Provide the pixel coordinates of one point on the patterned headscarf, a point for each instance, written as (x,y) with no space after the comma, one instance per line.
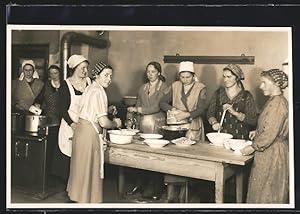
(278,77)
(99,67)
(235,69)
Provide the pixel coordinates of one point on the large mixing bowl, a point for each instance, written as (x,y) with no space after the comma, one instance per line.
(217,139)
(121,136)
(173,132)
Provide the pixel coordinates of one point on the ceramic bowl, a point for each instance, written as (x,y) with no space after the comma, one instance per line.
(121,136)
(151,136)
(217,138)
(156,143)
(236,144)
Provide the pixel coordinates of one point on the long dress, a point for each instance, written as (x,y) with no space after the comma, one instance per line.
(242,102)
(86,166)
(150,120)
(269,178)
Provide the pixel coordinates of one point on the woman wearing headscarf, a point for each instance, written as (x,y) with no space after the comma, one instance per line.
(149,95)
(87,160)
(241,114)
(188,97)
(70,93)
(26,89)
(269,177)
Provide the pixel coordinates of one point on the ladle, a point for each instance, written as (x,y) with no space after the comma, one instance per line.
(222,119)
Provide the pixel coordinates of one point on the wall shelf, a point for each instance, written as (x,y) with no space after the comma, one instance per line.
(211,59)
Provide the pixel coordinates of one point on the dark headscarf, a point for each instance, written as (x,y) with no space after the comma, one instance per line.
(277,76)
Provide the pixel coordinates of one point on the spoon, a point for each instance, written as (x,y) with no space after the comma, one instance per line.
(222,119)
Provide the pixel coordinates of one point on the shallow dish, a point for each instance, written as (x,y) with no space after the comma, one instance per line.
(151,136)
(156,143)
(217,138)
(183,142)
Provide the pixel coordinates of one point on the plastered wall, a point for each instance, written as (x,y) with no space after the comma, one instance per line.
(130,51)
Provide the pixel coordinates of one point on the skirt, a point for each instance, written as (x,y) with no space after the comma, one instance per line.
(85,184)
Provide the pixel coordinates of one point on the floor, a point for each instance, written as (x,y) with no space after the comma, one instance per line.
(199,191)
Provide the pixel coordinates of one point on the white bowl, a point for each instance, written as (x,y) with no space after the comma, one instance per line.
(156,143)
(237,144)
(217,138)
(151,136)
(131,130)
(121,136)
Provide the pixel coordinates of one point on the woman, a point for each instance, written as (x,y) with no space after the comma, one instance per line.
(86,169)
(269,177)
(49,96)
(241,115)
(26,89)
(147,106)
(188,98)
(49,101)
(70,94)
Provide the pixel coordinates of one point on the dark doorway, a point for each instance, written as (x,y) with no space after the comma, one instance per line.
(38,53)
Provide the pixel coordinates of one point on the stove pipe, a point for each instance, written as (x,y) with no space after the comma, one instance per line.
(66,42)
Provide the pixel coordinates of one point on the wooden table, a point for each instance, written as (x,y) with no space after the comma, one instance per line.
(200,161)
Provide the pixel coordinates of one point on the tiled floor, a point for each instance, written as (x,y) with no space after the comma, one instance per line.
(200,192)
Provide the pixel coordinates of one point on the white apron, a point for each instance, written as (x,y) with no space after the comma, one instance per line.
(65,133)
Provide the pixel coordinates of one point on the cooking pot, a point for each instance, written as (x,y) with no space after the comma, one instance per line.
(17,122)
(173,132)
(33,122)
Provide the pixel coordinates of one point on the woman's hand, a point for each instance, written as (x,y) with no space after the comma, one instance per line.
(216,126)
(73,126)
(181,115)
(247,150)
(132,109)
(118,122)
(252,134)
(229,108)
(112,110)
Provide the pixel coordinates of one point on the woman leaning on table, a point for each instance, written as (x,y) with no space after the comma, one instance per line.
(85,183)
(269,177)
(241,114)
(187,97)
(149,96)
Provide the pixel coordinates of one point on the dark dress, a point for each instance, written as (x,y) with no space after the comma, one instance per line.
(242,102)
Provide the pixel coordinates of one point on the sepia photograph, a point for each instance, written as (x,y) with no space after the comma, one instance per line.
(114,116)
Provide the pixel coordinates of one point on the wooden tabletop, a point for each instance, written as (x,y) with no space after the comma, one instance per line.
(202,150)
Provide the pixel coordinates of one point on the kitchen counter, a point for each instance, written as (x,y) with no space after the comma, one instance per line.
(200,161)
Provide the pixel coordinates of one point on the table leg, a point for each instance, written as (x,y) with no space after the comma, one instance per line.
(219,183)
(121,182)
(239,178)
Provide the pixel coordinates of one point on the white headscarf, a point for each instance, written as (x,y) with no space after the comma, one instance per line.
(29,62)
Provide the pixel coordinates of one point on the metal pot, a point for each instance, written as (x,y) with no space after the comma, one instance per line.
(17,122)
(33,122)
(173,132)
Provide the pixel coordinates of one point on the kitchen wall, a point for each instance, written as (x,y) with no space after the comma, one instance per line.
(130,51)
